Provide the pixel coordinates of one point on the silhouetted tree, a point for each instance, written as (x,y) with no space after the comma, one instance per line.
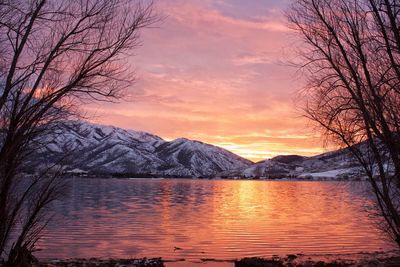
(54,55)
(351,55)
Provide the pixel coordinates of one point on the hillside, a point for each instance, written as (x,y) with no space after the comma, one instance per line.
(107,149)
(82,147)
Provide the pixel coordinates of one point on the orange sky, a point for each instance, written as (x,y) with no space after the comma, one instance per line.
(217,71)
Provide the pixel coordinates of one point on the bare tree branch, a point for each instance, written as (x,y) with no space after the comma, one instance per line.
(53,56)
(352,56)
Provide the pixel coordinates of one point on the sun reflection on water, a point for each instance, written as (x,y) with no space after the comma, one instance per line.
(196,219)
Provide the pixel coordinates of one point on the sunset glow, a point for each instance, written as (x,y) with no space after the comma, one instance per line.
(227,218)
(218,72)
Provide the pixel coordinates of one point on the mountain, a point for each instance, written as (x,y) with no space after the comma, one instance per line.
(85,147)
(82,146)
(337,164)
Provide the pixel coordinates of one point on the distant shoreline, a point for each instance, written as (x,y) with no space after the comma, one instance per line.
(154,177)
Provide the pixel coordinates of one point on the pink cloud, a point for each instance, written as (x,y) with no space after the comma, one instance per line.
(208,76)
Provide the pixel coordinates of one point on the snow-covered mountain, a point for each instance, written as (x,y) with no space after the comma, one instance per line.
(106,149)
(337,164)
(86,147)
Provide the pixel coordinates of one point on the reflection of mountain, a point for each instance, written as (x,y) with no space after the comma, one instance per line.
(148,218)
(86,147)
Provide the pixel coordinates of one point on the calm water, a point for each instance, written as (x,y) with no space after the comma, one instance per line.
(209,219)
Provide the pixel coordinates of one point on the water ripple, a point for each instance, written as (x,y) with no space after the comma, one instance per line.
(209,219)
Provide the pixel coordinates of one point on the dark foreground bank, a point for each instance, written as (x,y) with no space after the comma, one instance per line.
(288,261)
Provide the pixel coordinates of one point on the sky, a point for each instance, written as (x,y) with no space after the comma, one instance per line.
(218,71)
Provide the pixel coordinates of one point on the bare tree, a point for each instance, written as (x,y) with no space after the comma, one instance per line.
(53,55)
(351,55)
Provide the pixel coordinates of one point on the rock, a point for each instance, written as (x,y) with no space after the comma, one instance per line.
(258,262)
(291,257)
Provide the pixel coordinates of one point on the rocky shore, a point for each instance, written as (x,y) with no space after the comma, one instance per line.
(288,261)
(291,261)
(94,262)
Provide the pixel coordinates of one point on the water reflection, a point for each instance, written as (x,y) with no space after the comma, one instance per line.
(209,219)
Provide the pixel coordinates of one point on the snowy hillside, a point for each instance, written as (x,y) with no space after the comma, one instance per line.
(107,149)
(99,149)
(332,165)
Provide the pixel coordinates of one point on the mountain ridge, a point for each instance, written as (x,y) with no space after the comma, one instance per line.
(108,149)
(95,148)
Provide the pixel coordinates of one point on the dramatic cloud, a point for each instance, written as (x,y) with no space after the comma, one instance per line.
(215,71)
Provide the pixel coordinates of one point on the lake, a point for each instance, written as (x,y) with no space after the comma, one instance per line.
(220,219)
